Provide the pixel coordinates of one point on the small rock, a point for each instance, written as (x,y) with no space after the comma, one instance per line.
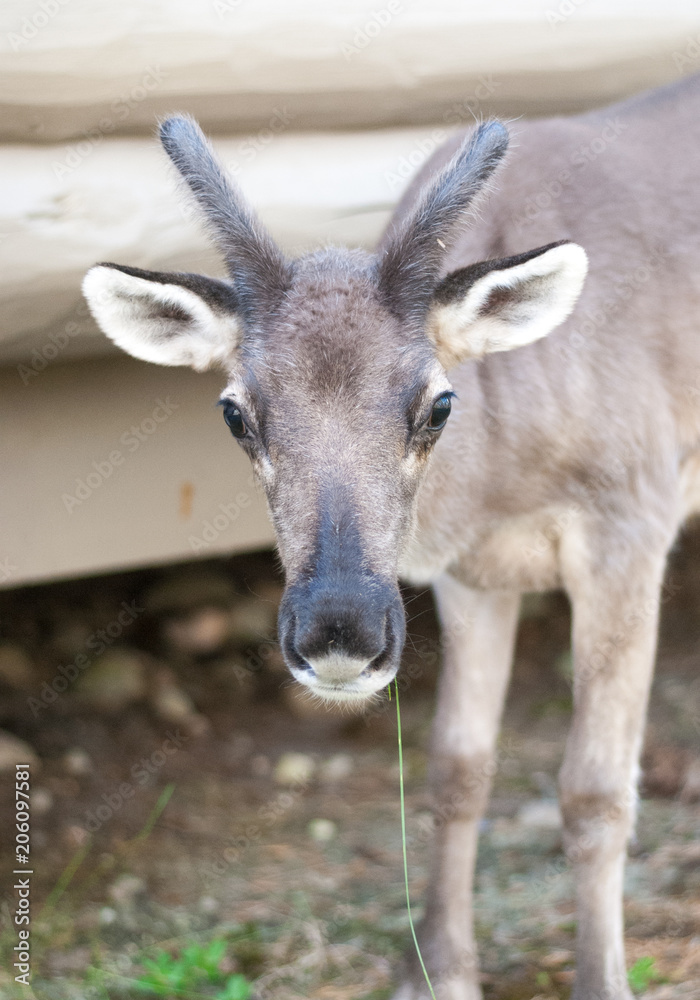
(207,904)
(252,620)
(540,813)
(168,699)
(115,680)
(172,704)
(76,836)
(16,668)
(107,915)
(76,761)
(202,632)
(322,830)
(336,768)
(15,751)
(125,889)
(294,769)
(690,791)
(40,801)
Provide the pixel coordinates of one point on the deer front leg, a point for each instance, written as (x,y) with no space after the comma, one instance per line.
(614,642)
(478,631)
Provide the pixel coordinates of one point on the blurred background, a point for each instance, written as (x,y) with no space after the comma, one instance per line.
(184,794)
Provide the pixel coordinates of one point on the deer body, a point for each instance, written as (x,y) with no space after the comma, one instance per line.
(569,460)
(530,446)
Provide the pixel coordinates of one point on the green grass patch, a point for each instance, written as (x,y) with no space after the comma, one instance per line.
(642,974)
(196,971)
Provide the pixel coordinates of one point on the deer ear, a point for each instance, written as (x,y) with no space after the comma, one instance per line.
(167,318)
(501,304)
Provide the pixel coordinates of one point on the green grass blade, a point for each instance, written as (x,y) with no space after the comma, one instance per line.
(403,839)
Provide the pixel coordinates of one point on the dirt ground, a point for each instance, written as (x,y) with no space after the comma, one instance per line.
(158,823)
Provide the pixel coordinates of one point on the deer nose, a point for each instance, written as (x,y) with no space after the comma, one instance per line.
(343,639)
(334,627)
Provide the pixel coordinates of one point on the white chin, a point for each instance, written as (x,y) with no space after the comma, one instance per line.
(352,693)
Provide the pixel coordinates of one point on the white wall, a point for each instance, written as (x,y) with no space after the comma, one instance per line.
(81,83)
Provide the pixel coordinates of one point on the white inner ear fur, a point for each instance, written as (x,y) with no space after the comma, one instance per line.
(126,309)
(543,291)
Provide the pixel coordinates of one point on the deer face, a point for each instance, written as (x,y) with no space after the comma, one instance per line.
(338,414)
(337,386)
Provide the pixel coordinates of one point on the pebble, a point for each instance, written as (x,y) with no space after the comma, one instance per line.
(40,801)
(77,762)
(294,769)
(169,700)
(115,680)
(125,889)
(107,915)
(208,904)
(202,632)
(76,836)
(336,768)
(16,668)
(172,704)
(540,813)
(15,751)
(322,830)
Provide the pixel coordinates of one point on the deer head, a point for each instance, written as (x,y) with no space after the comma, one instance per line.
(337,383)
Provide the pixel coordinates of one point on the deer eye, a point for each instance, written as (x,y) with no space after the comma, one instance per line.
(440,412)
(234,419)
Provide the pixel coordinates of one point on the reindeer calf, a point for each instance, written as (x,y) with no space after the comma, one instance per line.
(567,460)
